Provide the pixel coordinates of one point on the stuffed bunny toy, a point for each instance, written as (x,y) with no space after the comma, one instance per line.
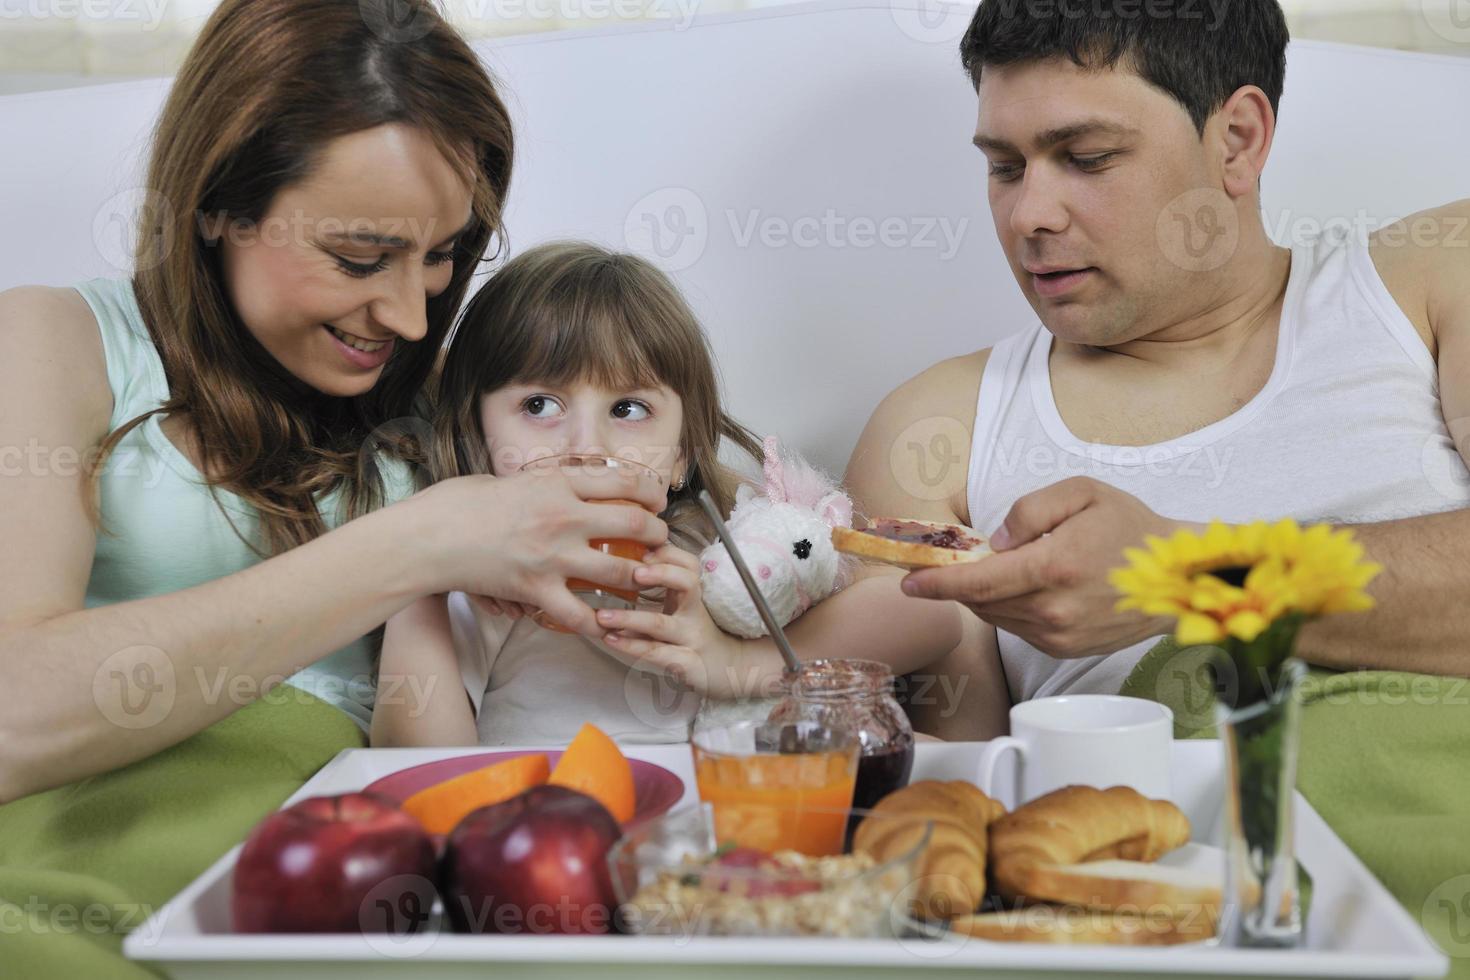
(785,535)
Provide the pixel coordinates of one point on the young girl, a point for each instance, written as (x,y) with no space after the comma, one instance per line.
(570,347)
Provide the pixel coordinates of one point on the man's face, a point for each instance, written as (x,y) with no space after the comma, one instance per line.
(1081,166)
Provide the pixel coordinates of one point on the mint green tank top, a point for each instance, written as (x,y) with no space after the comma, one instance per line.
(167,531)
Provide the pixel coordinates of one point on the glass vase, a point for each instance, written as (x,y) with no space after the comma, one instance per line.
(1262,741)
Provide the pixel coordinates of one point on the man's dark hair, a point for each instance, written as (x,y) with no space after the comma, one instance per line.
(1198,51)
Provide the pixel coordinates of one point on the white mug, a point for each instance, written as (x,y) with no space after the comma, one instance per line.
(1096,740)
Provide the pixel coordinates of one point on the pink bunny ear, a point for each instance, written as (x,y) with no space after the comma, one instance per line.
(775,468)
(835,509)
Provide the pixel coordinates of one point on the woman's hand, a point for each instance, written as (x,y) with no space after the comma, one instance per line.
(683,642)
(517,539)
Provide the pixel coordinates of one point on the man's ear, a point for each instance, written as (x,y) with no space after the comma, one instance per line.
(1249,128)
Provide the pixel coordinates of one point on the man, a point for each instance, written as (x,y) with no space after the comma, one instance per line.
(1188,368)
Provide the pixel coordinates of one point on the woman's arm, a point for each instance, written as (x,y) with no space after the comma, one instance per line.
(421,699)
(89,690)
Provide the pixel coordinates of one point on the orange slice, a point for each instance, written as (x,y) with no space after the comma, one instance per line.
(442,806)
(593,764)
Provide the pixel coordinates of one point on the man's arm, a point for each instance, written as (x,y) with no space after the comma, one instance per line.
(1422,621)
(913,461)
(1053,592)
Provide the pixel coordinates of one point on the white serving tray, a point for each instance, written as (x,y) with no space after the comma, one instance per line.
(1355,928)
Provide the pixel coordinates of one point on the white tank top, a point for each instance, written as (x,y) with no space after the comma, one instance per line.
(1348,429)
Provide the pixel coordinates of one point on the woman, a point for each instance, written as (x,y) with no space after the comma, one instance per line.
(321,189)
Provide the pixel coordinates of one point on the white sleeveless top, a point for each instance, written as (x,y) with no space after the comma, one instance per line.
(532,686)
(1348,430)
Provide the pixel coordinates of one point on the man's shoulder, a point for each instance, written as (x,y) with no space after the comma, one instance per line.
(1424,262)
(931,414)
(952,385)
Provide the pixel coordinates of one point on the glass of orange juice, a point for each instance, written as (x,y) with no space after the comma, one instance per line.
(778,786)
(595,595)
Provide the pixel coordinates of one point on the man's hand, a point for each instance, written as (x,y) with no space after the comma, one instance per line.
(1048,581)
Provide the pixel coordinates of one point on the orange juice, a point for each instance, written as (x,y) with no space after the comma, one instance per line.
(618,548)
(776,802)
(595,594)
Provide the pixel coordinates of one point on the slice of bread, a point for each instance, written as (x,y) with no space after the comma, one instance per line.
(912,544)
(1131,886)
(1071,925)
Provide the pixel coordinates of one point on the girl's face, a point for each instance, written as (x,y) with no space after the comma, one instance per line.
(340,270)
(526,422)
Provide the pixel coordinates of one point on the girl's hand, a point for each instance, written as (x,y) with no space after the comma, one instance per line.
(519,538)
(683,642)
(502,607)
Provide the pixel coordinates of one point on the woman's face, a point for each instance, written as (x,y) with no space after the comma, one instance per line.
(526,422)
(339,272)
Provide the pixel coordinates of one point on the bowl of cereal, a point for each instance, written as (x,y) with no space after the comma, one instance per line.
(674,877)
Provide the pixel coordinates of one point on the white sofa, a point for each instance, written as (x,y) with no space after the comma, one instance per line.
(802,166)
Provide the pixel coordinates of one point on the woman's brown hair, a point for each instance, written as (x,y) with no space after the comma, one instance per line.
(267,84)
(571,311)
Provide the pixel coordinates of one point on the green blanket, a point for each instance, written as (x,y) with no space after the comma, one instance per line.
(1385,760)
(85,864)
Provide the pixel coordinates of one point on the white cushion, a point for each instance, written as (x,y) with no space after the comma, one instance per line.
(848,112)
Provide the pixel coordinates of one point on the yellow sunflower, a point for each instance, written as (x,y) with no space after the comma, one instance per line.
(1236,581)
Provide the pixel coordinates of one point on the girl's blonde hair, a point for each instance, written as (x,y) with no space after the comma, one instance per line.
(267,84)
(570,311)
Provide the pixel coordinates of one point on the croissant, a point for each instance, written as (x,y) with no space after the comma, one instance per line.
(1076,825)
(950,879)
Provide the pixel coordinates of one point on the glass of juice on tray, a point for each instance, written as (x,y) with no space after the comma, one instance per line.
(595,595)
(777,786)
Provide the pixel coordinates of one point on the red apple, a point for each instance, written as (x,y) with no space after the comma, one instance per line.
(535,863)
(351,863)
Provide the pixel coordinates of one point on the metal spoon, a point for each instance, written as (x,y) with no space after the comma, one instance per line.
(761,607)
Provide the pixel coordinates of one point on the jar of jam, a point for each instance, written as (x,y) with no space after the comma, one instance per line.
(855,694)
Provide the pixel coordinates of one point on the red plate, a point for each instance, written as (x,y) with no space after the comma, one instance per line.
(655,789)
